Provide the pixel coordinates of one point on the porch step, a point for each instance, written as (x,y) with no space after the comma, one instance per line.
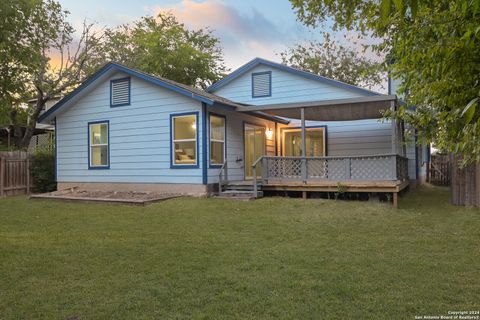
(239,194)
(239,187)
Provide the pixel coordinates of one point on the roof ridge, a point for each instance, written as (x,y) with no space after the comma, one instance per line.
(254,62)
(180,85)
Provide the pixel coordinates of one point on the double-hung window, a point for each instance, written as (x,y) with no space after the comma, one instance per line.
(184,140)
(217,139)
(98,145)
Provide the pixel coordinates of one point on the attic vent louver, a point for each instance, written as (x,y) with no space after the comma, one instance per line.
(120,92)
(261,84)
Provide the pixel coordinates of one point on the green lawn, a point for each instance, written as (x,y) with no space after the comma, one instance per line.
(272,258)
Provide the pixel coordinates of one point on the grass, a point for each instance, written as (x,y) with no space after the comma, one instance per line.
(272,258)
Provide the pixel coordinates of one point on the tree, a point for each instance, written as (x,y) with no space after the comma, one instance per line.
(333,60)
(40,30)
(17,56)
(35,31)
(164,47)
(434,47)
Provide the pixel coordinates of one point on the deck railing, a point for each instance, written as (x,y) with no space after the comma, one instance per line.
(374,167)
(222,176)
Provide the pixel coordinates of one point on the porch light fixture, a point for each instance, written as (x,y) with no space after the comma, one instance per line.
(269,134)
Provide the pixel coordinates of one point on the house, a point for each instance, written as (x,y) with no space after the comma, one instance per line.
(11,135)
(265,126)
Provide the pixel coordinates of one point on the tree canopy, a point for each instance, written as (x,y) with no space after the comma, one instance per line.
(434,48)
(36,32)
(42,56)
(162,46)
(19,50)
(330,59)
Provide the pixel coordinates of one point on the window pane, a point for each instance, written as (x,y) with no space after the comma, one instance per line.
(99,156)
(217,128)
(293,143)
(216,152)
(314,143)
(99,133)
(185,152)
(185,127)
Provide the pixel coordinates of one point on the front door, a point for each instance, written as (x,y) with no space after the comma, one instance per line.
(254,148)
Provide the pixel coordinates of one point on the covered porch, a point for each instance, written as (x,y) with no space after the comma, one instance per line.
(387,172)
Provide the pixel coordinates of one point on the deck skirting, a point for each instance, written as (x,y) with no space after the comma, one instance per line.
(332,186)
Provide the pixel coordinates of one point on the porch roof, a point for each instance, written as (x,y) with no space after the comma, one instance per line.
(371,107)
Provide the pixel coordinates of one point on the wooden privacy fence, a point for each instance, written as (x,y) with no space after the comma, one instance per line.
(465,183)
(439,171)
(14,173)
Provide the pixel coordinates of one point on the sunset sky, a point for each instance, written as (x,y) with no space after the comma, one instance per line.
(246,28)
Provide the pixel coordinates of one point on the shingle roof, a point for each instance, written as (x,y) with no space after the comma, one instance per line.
(194,90)
(191,92)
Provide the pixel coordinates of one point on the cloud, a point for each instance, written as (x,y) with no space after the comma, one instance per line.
(243,35)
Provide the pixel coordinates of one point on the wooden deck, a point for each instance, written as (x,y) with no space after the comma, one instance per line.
(316,185)
(327,185)
(384,173)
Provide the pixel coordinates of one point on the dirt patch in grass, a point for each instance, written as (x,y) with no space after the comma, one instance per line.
(121,197)
(127,195)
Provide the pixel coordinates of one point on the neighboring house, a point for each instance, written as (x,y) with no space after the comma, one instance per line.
(126,130)
(50,103)
(11,135)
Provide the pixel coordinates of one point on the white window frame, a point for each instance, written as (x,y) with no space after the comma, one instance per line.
(307,129)
(224,141)
(91,144)
(173,117)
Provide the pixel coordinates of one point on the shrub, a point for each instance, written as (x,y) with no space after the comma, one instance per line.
(42,168)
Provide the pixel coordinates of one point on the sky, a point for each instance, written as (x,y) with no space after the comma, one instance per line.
(246,28)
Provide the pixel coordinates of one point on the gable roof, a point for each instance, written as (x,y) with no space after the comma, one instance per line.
(257,61)
(111,67)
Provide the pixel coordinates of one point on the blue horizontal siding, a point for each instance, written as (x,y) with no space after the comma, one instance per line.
(235,145)
(139,136)
(286,87)
(128,178)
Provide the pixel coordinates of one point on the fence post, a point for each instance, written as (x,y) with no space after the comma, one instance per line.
(255,187)
(264,171)
(348,171)
(2,177)
(394,167)
(226,170)
(27,161)
(304,169)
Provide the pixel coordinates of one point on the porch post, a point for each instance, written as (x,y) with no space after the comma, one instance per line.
(394,129)
(304,146)
(304,142)
(393,169)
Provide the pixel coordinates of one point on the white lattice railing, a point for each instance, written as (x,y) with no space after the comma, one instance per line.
(375,167)
(381,167)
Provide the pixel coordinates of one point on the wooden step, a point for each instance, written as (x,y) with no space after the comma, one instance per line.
(239,194)
(238,187)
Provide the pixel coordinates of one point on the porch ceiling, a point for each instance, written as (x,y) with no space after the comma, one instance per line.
(329,110)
